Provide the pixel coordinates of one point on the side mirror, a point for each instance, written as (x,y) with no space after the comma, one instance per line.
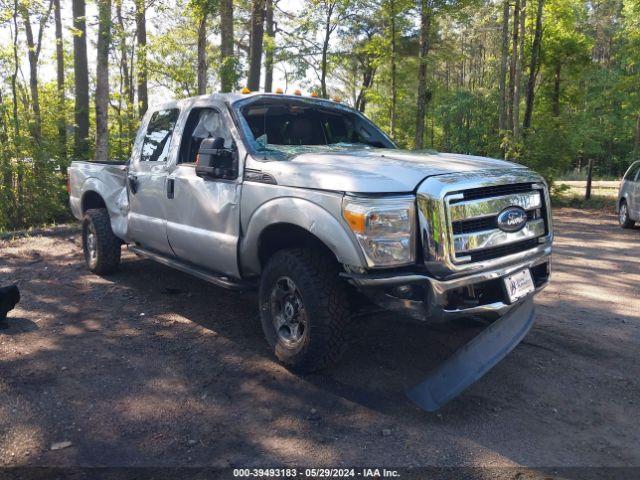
(215,161)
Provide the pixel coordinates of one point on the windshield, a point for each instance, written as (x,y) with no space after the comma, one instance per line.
(286,127)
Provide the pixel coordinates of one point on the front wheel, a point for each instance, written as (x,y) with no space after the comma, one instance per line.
(101,247)
(623,216)
(304,309)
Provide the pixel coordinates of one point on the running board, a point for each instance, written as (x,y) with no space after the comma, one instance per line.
(216,279)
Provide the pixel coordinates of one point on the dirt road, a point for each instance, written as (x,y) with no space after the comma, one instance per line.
(153,367)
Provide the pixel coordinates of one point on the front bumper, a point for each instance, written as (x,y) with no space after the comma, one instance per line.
(426,298)
(474,359)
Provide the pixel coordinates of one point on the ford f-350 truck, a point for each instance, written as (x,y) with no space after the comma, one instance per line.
(310,202)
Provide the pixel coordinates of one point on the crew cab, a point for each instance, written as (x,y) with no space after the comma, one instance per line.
(309,202)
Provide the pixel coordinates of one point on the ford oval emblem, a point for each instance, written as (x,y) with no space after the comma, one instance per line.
(512,219)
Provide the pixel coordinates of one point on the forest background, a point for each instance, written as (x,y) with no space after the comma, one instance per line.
(552,84)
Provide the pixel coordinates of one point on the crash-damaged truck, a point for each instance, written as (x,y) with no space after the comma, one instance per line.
(308,201)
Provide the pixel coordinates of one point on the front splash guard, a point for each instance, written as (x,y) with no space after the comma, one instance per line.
(474,359)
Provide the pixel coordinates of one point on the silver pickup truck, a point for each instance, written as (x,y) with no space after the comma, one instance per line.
(311,203)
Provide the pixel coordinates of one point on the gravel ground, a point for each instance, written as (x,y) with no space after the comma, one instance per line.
(150,367)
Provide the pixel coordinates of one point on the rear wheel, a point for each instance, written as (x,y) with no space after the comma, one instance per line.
(623,216)
(101,247)
(304,309)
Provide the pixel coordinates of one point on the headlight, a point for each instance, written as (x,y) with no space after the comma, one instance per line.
(384,228)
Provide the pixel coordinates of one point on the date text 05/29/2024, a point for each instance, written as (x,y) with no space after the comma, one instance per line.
(315,473)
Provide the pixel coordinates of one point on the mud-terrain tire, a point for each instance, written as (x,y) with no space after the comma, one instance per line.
(304,281)
(101,247)
(623,216)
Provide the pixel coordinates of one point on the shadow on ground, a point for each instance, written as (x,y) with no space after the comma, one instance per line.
(152,367)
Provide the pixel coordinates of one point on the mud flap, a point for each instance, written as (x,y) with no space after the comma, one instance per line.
(473,360)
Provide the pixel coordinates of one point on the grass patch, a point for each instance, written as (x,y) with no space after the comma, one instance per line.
(52,229)
(571,194)
(596,202)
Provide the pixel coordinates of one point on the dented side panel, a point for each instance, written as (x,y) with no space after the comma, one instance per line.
(108,181)
(203,221)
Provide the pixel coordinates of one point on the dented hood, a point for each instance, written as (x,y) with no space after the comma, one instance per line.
(373,170)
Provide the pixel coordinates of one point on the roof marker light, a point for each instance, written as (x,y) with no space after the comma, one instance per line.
(245,90)
(297,92)
(314,94)
(279,91)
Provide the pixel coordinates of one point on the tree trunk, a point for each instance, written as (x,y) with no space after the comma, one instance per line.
(325,51)
(368,74)
(512,68)
(33,55)
(555,98)
(14,77)
(227,70)
(587,193)
(202,55)
(102,80)
(12,207)
(518,82)
(425,29)
(462,64)
(62,124)
(141,36)
(268,54)
(81,80)
(394,73)
(255,45)
(126,77)
(637,138)
(533,68)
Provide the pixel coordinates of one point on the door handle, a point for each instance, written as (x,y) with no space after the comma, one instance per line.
(133,183)
(171,186)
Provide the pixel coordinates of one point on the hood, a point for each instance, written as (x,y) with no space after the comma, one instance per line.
(373,170)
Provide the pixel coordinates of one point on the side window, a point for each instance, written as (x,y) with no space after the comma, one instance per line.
(202,123)
(157,140)
(632,173)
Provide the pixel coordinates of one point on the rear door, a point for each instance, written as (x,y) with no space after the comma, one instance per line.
(147,182)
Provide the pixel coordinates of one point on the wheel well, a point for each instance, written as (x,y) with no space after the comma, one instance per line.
(91,200)
(286,235)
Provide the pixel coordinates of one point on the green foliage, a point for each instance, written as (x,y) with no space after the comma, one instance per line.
(591,114)
(32,176)
(587,100)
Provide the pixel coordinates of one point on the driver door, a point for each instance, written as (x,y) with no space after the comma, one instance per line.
(203,215)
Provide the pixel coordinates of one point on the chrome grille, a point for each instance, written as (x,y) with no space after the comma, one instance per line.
(439,195)
(485,223)
(496,190)
(472,217)
(503,251)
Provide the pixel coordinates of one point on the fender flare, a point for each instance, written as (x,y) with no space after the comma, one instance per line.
(301,213)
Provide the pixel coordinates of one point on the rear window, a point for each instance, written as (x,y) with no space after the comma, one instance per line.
(157,140)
